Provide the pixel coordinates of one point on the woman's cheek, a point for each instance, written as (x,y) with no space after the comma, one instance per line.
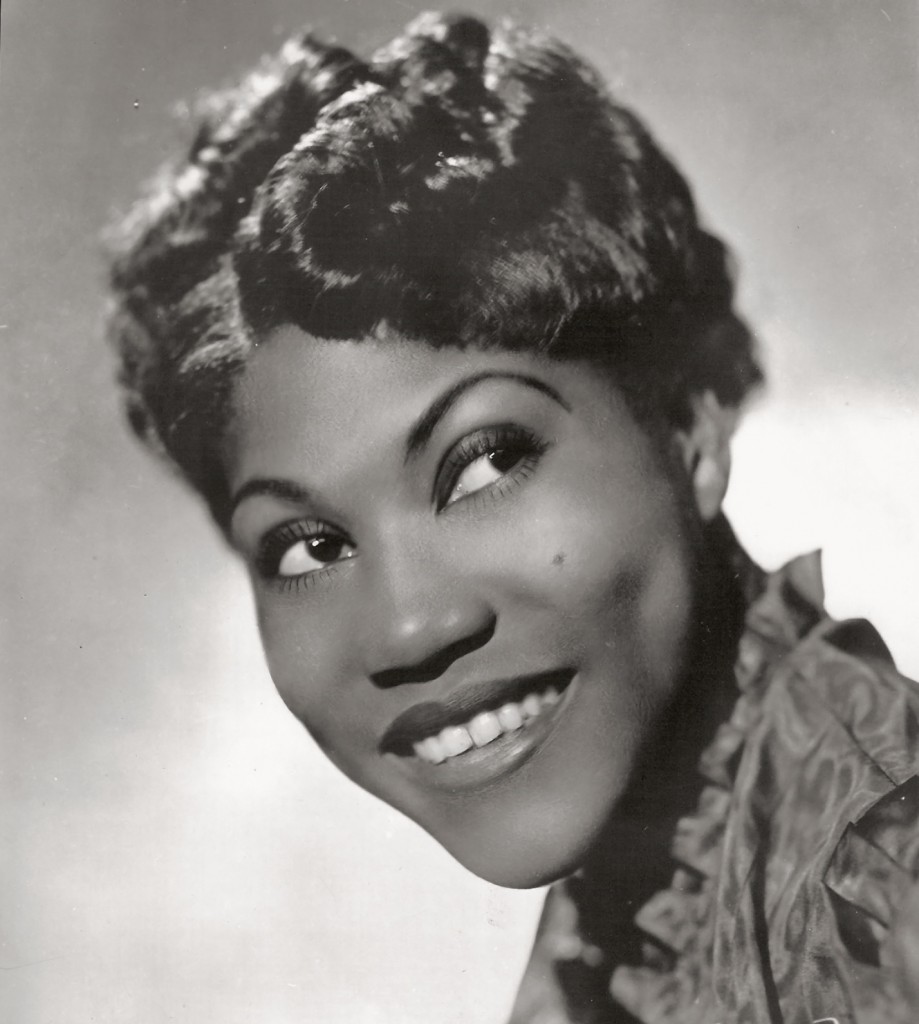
(616,565)
(582,554)
(305,656)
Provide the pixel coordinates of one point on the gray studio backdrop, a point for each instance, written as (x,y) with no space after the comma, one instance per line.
(173,847)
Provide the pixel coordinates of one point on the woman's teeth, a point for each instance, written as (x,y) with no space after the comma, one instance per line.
(480,730)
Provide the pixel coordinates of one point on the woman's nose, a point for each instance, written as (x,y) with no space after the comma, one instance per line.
(420,623)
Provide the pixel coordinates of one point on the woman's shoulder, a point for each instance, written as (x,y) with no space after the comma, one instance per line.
(826,797)
(808,682)
(794,885)
(834,726)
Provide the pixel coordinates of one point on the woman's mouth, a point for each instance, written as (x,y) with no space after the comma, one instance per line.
(479,732)
(484,728)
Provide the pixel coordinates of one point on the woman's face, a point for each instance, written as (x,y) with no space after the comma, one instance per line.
(473,578)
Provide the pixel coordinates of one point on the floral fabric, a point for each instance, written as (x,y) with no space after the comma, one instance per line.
(790,877)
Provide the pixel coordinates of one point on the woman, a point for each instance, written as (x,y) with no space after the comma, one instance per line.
(441,342)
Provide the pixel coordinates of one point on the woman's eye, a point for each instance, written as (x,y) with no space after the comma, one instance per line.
(484,470)
(298,549)
(313,553)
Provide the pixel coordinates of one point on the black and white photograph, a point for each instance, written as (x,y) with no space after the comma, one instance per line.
(461,550)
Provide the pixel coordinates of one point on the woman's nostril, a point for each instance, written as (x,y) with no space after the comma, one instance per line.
(436,659)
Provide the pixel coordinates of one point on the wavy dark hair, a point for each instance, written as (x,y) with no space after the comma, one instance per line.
(462,187)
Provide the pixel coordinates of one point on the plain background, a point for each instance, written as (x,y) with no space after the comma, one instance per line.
(173,847)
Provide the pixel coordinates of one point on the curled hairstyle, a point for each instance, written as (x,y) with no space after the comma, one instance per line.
(462,187)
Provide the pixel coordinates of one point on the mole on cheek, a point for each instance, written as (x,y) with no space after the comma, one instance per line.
(559,558)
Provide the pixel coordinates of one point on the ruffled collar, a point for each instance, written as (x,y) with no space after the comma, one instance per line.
(676,922)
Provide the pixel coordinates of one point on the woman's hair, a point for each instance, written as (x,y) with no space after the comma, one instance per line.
(462,187)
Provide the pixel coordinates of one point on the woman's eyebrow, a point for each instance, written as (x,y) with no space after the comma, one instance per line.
(418,436)
(286,490)
(422,429)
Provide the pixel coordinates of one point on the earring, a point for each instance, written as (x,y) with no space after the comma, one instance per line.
(708,480)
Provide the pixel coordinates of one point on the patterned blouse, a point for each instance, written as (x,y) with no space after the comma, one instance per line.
(793,892)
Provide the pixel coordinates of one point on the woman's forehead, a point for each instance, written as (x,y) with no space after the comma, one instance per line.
(307,395)
(292,364)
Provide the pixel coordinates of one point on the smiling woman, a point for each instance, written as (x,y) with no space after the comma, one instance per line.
(404,510)
(440,340)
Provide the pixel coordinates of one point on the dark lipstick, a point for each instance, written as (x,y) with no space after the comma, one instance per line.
(430,717)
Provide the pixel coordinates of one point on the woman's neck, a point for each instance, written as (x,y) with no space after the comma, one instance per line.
(727,582)
(631,861)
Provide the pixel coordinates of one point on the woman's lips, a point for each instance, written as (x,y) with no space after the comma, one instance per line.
(484,727)
(473,716)
(543,702)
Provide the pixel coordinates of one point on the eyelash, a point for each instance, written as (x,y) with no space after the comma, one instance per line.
(278,541)
(503,437)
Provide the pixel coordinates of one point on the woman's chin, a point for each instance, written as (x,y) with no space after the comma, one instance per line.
(540,823)
(525,875)
(513,868)
(526,855)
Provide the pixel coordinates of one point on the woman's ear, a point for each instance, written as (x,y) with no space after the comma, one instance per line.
(705,446)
